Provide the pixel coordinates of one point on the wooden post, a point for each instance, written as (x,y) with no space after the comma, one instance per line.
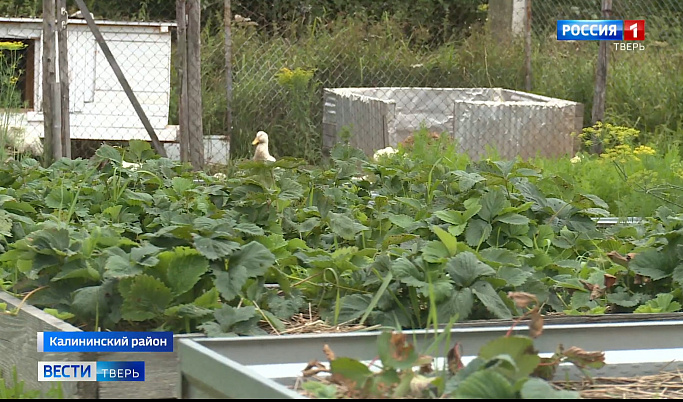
(122,79)
(194,84)
(599,96)
(181,57)
(527,45)
(63,55)
(227,21)
(48,80)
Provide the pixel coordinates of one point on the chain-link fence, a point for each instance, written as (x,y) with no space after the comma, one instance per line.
(280,70)
(350,53)
(99,109)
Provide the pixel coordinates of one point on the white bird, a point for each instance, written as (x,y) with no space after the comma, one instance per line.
(388,151)
(261,142)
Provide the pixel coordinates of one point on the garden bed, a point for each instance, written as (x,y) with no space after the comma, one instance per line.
(272,365)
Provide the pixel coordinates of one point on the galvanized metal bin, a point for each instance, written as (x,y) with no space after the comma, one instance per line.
(265,367)
(515,123)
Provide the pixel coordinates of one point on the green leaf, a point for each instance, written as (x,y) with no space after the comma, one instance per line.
(120,266)
(513,276)
(183,267)
(56,313)
(435,251)
(678,274)
(353,306)
(448,239)
(489,298)
(144,298)
(465,268)
(398,239)
(501,256)
(596,200)
(240,320)
(536,388)
(402,221)
(484,384)
(88,300)
(290,189)
(230,283)
(59,198)
(406,272)
(520,348)
(492,202)
(513,219)
(254,257)
(345,227)
(477,232)
(214,248)
(350,369)
(624,299)
(320,390)
(654,264)
(208,299)
(181,184)
(249,228)
(459,304)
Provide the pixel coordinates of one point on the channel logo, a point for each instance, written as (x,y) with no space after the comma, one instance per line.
(91,371)
(612,30)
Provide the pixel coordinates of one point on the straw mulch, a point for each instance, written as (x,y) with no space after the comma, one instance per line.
(665,385)
(311,323)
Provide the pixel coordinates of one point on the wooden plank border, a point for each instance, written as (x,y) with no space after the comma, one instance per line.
(18,347)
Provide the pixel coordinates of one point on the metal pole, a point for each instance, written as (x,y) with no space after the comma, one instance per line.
(227,21)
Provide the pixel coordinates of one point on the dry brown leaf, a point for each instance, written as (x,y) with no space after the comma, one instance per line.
(522,299)
(596,290)
(536,324)
(610,280)
(640,280)
(454,359)
(581,357)
(314,367)
(399,349)
(618,258)
(328,352)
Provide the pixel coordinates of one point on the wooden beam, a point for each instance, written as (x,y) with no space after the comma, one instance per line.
(122,79)
(527,45)
(194,84)
(48,80)
(63,56)
(181,67)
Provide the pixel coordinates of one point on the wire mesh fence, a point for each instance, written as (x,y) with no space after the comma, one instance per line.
(279,76)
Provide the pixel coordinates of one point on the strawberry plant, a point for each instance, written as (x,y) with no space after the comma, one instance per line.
(128,240)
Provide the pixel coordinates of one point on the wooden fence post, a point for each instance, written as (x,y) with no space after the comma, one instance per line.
(527,45)
(48,80)
(194,84)
(63,56)
(599,96)
(181,58)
